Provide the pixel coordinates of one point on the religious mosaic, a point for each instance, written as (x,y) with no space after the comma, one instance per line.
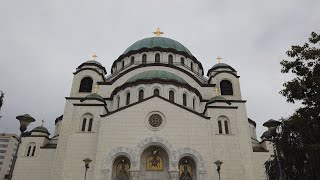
(185,171)
(122,170)
(154,162)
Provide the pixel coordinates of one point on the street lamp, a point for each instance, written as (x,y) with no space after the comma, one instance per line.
(25,120)
(218,163)
(272,126)
(86,165)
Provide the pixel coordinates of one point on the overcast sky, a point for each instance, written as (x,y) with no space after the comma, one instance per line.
(42,42)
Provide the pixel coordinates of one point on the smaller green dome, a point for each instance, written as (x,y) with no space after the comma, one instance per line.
(40,129)
(157,74)
(94,96)
(93,62)
(218,98)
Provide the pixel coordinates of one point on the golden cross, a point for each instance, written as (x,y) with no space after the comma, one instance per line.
(42,121)
(96,88)
(157,32)
(94,56)
(219,59)
(216,90)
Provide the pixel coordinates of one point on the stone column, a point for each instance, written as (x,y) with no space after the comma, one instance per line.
(134,174)
(202,174)
(174,175)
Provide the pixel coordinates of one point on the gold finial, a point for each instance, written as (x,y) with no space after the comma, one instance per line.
(96,88)
(157,32)
(216,90)
(219,59)
(94,56)
(42,121)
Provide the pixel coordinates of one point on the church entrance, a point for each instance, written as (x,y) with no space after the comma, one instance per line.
(154,164)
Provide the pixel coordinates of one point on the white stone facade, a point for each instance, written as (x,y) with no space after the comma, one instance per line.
(8,147)
(201,127)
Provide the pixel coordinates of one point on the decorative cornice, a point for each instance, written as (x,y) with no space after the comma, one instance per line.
(229,72)
(183,107)
(218,67)
(93,64)
(158,65)
(92,69)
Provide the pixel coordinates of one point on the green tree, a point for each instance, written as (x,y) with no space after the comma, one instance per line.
(298,142)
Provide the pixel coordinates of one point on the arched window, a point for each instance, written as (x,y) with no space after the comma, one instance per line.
(157,58)
(123,64)
(224,125)
(128,99)
(84,122)
(132,60)
(191,66)
(194,103)
(171,95)
(170,59)
(156,92)
(86,85)
(144,59)
(31,149)
(141,94)
(182,61)
(220,127)
(87,122)
(118,102)
(226,87)
(90,124)
(226,128)
(184,99)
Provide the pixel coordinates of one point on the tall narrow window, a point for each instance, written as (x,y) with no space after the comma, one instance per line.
(220,127)
(194,103)
(226,127)
(182,61)
(90,124)
(29,150)
(123,64)
(226,87)
(128,99)
(156,92)
(170,59)
(33,150)
(86,85)
(157,58)
(144,59)
(132,60)
(141,94)
(171,96)
(191,66)
(84,124)
(184,99)
(118,102)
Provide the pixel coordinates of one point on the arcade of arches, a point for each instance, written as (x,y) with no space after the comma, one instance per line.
(154,165)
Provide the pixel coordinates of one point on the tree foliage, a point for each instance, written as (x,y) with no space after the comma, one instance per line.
(298,142)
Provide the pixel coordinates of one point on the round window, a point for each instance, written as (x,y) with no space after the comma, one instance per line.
(155,120)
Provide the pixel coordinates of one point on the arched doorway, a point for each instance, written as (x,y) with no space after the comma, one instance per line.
(187,169)
(154,164)
(120,169)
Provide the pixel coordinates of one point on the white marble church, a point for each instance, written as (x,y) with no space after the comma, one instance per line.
(154,117)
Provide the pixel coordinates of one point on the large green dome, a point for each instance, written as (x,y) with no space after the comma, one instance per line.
(158,75)
(160,42)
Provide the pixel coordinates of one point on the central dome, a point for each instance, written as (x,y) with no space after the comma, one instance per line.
(160,42)
(156,74)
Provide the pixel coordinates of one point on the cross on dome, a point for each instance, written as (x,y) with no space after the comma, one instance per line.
(219,59)
(158,32)
(94,56)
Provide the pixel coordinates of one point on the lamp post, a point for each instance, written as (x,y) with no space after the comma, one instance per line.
(86,165)
(272,126)
(218,163)
(25,120)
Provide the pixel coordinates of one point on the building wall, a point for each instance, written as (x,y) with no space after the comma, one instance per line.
(8,146)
